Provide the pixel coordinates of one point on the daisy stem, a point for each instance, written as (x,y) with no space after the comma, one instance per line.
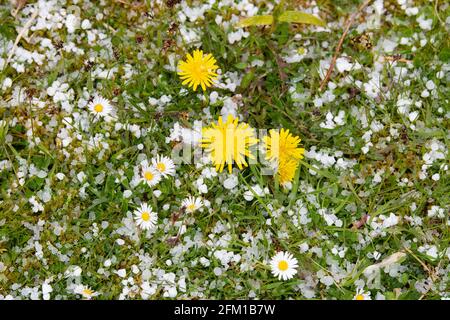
(155,203)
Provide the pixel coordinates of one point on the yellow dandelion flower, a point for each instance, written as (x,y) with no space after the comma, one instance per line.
(283,149)
(282,145)
(286,170)
(198,70)
(228,142)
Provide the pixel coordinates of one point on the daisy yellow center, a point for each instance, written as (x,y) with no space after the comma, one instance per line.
(283,265)
(359,297)
(191,207)
(98,107)
(148,176)
(145,216)
(161,166)
(88,292)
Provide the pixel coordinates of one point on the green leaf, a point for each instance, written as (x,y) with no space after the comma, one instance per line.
(241,65)
(247,79)
(264,20)
(444,55)
(300,17)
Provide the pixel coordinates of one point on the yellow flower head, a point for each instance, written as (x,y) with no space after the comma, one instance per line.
(282,145)
(286,170)
(227,142)
(198,70)
(282,148)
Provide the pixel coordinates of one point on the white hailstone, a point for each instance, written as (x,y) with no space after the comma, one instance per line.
(231,182)
(425,93)
(205,262)
(72,23)
(45,195)
(121,273)
(60,176)
(379,7)
(107,263)
(403,105)
(248,195)
(436,211)
(436,177)
(342,65)
(327,280)
(430,85)
(432,252)
(202,188)
(229,108)
(120,242)
(73,271)
(213,97)
(81,176)
(303,247)
(390,221)
(412,11)
(6,83)
(237,36)
(36,205)
(294,57)
(318,102)
(86,24)
(425,24)
(189,35)
(413,116)
(171,292)
(46,290)
(217,271)
(157,193)
(127,194)
(389,45)
(376,255)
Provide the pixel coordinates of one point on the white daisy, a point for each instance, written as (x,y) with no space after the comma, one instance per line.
(150,175)
(361,295)
(145,217)
(164,165)
(284,265)
(192,204)
(100,106)
(85,291)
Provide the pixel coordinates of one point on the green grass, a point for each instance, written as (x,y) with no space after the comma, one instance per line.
(34,136)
